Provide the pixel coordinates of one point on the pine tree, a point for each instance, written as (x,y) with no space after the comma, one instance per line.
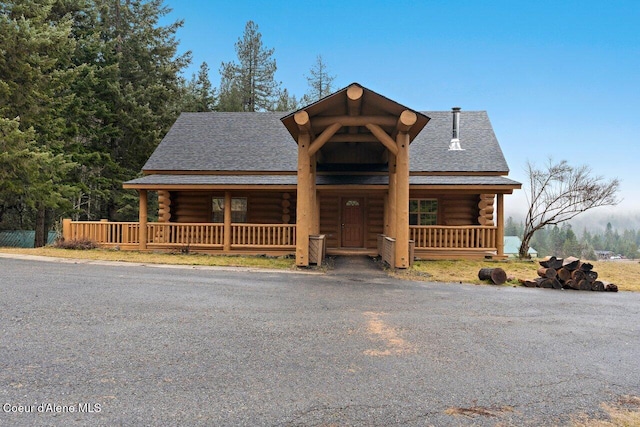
(36,71)
(198,94)
(319,80)
(286,102)
(129,97)
(33,179)
(250,83)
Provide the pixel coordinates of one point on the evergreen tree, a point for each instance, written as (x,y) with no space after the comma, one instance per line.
(36,71)
(286,102)
(230,98)
(128,98)
(319,80)
(250,83)
(513,229)
(570,244)
(32,178)
(198,94)
(96,80)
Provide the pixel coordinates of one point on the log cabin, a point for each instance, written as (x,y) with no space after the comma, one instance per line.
(353,173)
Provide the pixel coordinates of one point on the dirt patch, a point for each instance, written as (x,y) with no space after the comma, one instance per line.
(387,336)
(483,411)
(624,413)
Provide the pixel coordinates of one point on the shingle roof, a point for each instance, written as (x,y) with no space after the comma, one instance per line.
(259,142)
(226,142)
(481,152)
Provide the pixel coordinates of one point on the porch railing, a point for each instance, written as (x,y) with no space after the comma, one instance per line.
(185,234)
(171,234)
(259,235)
(103,232)
(454,237)
(246,236)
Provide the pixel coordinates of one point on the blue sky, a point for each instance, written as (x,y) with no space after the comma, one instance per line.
(558,78)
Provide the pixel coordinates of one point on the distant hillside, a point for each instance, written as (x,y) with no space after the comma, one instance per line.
(596,221)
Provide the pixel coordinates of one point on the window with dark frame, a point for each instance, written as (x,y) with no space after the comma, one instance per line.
(423,212)
(238,209)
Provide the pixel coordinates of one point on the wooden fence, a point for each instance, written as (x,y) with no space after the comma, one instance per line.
(169,235)
(454,237)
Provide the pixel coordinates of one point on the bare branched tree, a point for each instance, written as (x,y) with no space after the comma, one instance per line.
(559,192)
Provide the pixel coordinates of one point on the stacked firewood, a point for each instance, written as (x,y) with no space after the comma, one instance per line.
(568,273)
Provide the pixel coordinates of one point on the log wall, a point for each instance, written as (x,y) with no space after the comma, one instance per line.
(190,206)
(453,209)
(485,209)
(330,219)
(270,208)
(195,206)
(374,217)
(164,206)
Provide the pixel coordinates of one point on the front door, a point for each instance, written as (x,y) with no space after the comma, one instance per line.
(352,222)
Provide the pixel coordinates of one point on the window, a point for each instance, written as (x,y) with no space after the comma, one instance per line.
(423,212)
(238,209)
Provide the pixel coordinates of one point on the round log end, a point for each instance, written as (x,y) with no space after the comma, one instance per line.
(408,118)
(301,118)
(354,92)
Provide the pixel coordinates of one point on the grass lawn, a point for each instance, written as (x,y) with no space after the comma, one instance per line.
(625,274)
(280,263)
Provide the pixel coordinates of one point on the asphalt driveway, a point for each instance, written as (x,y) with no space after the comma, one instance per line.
(130,345)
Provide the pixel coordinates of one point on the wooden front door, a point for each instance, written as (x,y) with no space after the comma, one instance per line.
(352,222)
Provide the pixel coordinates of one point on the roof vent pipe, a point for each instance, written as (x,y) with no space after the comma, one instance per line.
(455,135)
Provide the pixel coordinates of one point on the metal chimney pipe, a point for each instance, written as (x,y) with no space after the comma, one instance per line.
(455,132)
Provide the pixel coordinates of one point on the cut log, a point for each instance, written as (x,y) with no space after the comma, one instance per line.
(529,283)
(591,275)
(578,275)
(584,285)
(544,282)
(610,287)
(571,263)
(549,273)
(571,284)
(496,275)
(597,286)
(585,266)
(551,262)
(564,275)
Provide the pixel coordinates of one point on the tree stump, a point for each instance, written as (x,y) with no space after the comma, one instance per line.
(496,275)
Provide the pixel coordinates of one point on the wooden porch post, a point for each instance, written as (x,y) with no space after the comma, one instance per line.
(66,229)
(500,223)
(385,215)
(226,234)
(304,200)
(402,201)
(315,205)
(391,227)
(142,220)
